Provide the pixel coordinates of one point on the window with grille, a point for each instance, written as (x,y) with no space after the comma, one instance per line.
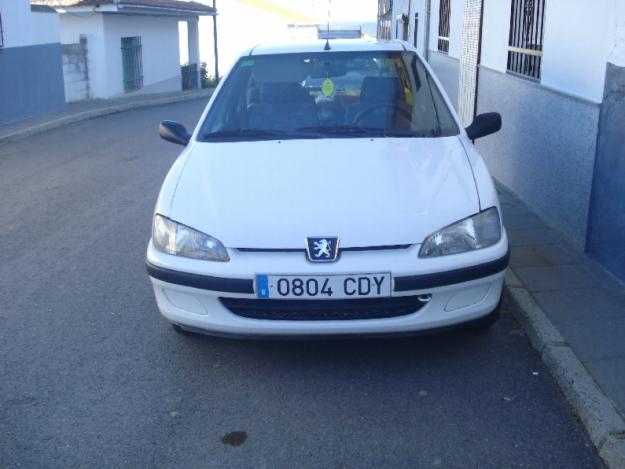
(385,11)
(132,63)
(443,26)
(525,47)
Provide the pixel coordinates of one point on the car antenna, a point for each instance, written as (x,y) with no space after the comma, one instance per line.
(327,46)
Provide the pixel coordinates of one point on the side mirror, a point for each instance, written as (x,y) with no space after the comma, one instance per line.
(174,132)
(484,124)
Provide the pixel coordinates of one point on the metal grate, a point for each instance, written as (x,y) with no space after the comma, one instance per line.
(525,47)
(189,74)
(132,63)
(324,310)
(443,26)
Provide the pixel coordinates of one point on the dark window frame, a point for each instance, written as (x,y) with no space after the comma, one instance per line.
(444,15)
(132,63)
(385,12)
(525,41)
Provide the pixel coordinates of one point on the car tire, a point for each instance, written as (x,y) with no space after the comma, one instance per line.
(486,322)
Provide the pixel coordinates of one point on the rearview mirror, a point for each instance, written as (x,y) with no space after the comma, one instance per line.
(174,132)
(484,124)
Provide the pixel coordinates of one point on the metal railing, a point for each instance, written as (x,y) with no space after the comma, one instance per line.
(385,11)
(525,46)
(189,74)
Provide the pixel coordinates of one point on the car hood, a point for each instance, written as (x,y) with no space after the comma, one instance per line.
(368,192)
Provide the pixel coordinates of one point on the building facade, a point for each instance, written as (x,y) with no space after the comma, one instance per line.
(31,73)
(115,47)
(554,69)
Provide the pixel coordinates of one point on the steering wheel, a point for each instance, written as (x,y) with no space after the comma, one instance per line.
(362,114)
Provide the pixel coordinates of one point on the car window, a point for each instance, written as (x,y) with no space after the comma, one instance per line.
(338,94)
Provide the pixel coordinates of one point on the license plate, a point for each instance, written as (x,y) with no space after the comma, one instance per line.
(320,287)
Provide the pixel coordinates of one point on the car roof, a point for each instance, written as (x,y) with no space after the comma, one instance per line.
(336,45)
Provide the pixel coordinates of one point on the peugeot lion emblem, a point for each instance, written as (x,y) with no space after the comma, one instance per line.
(322,248)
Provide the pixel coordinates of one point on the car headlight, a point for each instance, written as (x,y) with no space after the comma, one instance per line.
(475,232)
(180,240)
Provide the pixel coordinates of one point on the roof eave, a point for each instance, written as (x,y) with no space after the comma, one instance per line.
(86,9)
(130,7)
(138,9)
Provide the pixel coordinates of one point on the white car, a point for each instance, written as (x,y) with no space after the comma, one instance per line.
(299,210)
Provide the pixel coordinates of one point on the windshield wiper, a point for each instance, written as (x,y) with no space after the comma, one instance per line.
(437,132)
(257,133)
(244,133)
(338,129)
(358,130)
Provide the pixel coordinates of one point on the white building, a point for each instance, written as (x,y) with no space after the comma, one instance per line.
(31,76)
(113,47)
(555,71)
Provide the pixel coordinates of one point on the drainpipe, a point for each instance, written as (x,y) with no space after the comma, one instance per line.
(479,59)
(428,9)
(215,41)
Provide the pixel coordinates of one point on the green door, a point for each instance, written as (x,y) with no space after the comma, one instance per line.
(132,63)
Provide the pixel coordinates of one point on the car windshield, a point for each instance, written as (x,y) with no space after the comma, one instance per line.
(328,94)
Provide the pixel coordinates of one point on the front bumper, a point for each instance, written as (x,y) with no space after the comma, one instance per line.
(460,288)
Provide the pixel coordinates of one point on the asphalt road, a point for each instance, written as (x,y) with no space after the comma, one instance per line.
(92,376)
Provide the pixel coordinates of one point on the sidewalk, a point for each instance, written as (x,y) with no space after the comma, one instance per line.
(585,305)
(78,111)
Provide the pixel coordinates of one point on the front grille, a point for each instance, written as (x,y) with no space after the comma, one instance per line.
(390,247)
(324,310)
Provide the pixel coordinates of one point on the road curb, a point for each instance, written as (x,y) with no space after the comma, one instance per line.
(93,113)
(604,424)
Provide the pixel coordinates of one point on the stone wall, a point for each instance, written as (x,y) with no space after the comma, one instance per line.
(76,71)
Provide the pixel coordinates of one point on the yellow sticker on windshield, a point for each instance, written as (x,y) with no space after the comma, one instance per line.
(328,87)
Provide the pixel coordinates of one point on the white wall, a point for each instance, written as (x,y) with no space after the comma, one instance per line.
(495,34)
(617,32)
(434,12)
(73,26)
(193,42)
(183,42)
(418,6)
(159,43)
(456,16)
(578,42)
(160,52)
(576,46)
(21,27)
(399,7)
